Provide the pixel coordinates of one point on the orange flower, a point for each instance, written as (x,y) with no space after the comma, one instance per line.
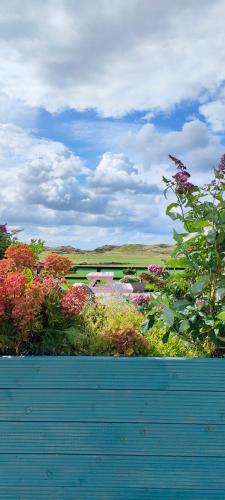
(28,306)
(57,265)
(6,266)
(21,254)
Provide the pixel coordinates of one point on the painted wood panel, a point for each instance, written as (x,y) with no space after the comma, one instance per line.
(108,429)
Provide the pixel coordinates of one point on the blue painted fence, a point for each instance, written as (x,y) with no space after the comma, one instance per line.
(112,428)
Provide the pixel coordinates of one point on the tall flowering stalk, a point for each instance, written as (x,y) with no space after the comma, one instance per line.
(192,302)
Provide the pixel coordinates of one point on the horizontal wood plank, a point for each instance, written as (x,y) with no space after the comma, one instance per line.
(113,439)
(112,406)
(112,373)
(108,471)
(67,493)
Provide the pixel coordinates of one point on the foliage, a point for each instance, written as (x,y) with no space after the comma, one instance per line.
(57,265)
(191,302)
(115,326)
(129,279)
(34,309)
(130,271)
(5,239)
(175,346)
(127,342)
(37,246)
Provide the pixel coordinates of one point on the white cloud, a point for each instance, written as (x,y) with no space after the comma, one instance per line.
(115,172)
(45,185)
(114,57)
(194,144)
(214,113)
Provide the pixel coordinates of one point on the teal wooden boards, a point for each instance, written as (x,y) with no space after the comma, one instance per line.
(112,428)
(112,373)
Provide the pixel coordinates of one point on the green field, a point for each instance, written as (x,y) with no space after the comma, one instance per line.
(125,255)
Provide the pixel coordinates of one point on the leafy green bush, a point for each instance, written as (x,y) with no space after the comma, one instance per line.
(192,302)
(175,346)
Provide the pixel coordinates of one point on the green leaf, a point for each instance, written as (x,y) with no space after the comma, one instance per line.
(29,275)
(178,236)
(181,262)
(221,315)
(195,225)
(180,305)
(168,316)
(184,326)
(165,337)
(170,207)
(147,324)
(199,286)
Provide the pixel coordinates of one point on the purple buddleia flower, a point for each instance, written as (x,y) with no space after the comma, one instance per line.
(181,177)
(178,163)
(3,228)
(221,166)
(184,187)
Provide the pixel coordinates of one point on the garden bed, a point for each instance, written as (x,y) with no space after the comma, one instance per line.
(112,428)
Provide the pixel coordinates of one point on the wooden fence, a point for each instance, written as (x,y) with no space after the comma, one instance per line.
(112,428)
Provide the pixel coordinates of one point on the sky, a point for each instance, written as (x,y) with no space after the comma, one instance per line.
(94,96)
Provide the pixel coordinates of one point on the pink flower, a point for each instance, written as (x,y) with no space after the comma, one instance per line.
(74,300)
(141,299)
(201,303)
(155,268)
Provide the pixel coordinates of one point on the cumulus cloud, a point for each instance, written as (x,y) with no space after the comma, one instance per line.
(214,113)
(44,183)
(194,144)
(111,56)
(115,172)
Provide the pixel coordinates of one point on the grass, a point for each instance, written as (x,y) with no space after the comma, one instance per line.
(127,255)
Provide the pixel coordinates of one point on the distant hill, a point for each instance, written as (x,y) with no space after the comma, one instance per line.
(161,248)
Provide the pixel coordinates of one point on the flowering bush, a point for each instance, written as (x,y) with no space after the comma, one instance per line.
(155,268)
(34,308)
(74,300)
(141,300)
(57,265)
(6,266)
(21,254)
(128,342)
(191,303)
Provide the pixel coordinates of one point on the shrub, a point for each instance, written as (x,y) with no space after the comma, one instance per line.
(176,346)
(130,271)
(37,246)
(57,265)
(21,254)
(127,341)
(5,239)
(6,266)
(74,300)
(191,303)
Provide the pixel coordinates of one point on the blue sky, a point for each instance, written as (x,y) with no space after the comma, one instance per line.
(93,98)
